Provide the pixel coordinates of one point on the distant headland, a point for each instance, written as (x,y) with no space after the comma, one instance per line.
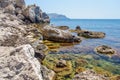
(57,16)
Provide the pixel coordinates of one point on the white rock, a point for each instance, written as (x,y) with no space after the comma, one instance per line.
(19,64)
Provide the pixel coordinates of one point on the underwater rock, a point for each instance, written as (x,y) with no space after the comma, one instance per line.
(89,75)
(61,64)
(104,49)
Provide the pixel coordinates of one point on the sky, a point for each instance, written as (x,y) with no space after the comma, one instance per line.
(81,9)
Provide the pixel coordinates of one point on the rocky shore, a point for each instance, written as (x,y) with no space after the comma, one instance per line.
(25,39)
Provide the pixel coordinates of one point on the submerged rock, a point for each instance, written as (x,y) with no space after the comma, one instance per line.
(61,64)
(19,64)
(89,75)
(54,34)
(90,34)
(104,49)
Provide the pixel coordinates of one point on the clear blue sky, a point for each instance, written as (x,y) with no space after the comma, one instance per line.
(82,9)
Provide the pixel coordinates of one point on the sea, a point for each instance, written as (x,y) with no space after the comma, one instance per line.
(111,27)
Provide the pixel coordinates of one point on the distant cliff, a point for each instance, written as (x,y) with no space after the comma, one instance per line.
(57,16)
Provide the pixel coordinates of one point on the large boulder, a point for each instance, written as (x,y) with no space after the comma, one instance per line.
(35,15)
(54,34)
(19,64)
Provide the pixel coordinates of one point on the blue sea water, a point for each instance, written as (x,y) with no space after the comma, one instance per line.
(109,26)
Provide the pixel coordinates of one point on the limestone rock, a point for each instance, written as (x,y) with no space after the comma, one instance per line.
(47,73)
(54,34)
(19,64)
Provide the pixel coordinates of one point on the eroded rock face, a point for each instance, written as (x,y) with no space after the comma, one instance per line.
(89,75)
(90,34)
(54,34)
(104,49)
(19,64)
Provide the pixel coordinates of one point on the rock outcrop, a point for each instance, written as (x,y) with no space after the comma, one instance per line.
(29,14)
(21,43)
(54,34)
(104,49)
(19,64)
(35,15)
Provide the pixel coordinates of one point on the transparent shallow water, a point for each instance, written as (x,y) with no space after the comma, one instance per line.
(86,47)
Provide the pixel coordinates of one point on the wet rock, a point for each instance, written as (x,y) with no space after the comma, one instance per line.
(54,34)
(61,63)
(90,34)
(47,73)
(104,49)
(89,75)
(19,64)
